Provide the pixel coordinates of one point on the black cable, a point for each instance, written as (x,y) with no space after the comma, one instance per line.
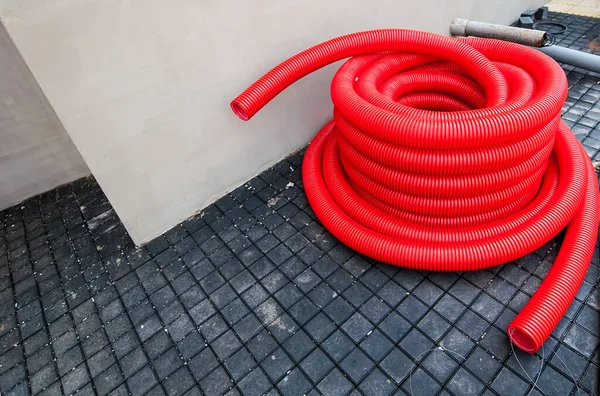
(562,28)
(550,39)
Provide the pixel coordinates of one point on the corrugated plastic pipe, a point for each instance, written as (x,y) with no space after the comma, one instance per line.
(447,155)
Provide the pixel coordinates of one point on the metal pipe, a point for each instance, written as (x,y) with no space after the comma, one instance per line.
(465,27)
(572,57)
(534,38)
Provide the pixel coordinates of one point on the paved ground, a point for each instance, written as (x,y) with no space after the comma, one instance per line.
(589,8)
(255,296)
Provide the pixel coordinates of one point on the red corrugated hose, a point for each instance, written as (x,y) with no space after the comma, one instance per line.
(448,155)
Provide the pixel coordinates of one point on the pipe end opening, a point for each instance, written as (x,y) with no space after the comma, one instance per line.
(548,40)
(522,340)
(238,111)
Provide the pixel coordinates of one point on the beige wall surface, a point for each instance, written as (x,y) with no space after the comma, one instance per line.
(143,86)
(36,154)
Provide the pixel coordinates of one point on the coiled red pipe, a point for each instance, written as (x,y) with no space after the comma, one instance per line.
(448,155)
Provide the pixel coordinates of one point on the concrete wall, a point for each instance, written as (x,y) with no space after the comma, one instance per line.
(143,87)
(36,154)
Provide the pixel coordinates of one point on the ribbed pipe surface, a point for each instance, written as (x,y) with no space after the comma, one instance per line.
(447,155)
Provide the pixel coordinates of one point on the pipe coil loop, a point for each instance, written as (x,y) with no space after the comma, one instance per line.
(448,155)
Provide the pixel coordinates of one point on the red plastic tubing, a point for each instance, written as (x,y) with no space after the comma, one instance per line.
(448,155)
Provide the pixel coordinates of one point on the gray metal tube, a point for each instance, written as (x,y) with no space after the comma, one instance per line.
(464,27)
(534,38)
(573,57)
